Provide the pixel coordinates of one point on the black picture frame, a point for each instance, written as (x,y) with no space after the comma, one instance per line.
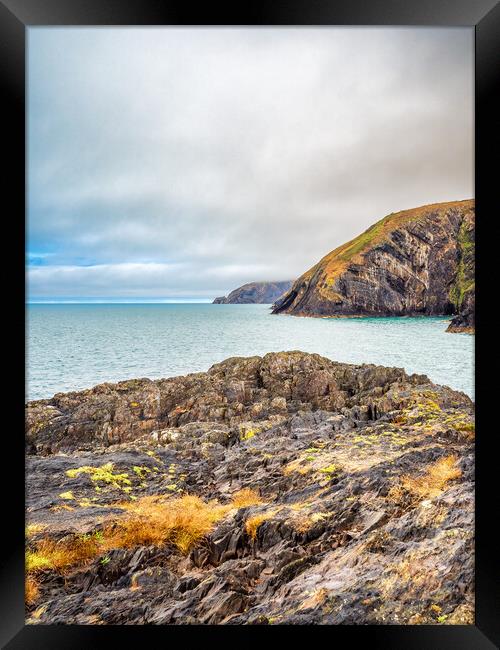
(16,16)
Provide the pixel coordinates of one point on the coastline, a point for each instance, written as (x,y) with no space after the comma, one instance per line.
(444,317)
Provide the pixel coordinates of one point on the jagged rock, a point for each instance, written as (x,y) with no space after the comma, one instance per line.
(365,479)
(464,322)
(239,389)
(255,292)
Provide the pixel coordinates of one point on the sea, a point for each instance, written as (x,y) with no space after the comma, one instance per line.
(76,346)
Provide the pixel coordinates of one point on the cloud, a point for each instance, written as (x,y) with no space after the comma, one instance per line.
(187,161)
(131,280)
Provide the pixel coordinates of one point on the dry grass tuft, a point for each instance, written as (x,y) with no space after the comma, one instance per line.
(245,498)
(58,508)
(252,524)
(183,521)
(37,614)
(468,429)
(31,590)
(62,554)
(315,598)
(300,505)
(433,482)
(430,484)
(305,522)
(148,521)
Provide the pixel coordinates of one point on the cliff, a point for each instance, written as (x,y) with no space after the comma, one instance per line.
(415,262)
(255,292)
(284,489)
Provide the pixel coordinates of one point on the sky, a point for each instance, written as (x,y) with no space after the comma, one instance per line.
(180,163)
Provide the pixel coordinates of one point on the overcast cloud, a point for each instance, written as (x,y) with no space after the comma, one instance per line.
(186,162)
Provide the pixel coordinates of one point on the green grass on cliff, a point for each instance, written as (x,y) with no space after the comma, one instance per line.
(357,245)
(464,281)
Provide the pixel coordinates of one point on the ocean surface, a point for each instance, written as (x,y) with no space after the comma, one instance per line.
(75,346)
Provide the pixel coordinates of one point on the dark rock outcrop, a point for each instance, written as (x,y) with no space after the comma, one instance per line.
(464,322)
(239,389)
(413,262)
(365,515)
(255,293)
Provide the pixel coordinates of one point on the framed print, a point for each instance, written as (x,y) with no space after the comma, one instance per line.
(253,396)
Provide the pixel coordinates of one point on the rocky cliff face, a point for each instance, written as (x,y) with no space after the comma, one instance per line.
(282,489)
(463,289)
(255,292)
(414,262)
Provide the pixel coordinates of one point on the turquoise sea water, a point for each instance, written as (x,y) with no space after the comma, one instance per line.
(75,346)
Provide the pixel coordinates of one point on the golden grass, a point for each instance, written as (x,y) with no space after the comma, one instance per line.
(58,508)
(430,484)
(410,572)
(31,590)
(148,521)
(245,498)
(59,555)
(153,521)
(304,523)
(38,612)
(468,429)
(252,524)
(433,482)
(315,598)
(300,505)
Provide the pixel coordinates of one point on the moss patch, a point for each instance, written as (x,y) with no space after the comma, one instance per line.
(102,474)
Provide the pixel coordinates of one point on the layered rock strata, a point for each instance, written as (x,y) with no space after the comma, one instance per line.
(415,262)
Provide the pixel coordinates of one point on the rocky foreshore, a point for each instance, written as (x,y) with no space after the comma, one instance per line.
(287,489)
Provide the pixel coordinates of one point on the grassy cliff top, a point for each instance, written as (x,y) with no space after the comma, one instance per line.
(337,260)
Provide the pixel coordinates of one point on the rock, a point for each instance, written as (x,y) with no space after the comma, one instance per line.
(255,292)
(415,262)
(349,499)
(464,322)
(239,389)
